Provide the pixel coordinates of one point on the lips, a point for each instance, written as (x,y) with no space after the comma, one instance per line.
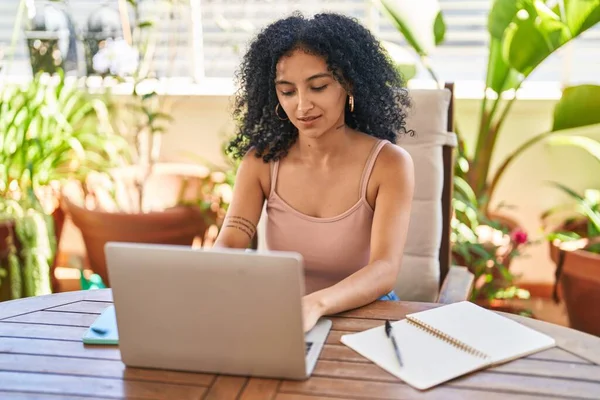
(309,119)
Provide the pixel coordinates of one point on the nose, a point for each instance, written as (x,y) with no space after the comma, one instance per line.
(305,103)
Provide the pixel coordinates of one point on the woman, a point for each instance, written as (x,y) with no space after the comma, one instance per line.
(320,106)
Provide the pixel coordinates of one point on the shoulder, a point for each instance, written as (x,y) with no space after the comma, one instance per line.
(395,158)
(254,169)
(390,155)
(251,161)
(392,161)
(394,165)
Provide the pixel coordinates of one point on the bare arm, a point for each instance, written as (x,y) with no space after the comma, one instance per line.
(239,226)
(388,237)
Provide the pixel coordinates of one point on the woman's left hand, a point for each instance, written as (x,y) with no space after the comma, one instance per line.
(311,312)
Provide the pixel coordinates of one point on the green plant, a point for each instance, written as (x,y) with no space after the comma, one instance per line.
(423,32)
(578,220)
(523,34)
(486,246)
(576,223)
(50,131)
(571,112)
(29,269)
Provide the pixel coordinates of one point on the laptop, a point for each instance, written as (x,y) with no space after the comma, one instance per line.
(223,311)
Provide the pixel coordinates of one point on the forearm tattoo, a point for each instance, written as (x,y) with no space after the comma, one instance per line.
(242,224)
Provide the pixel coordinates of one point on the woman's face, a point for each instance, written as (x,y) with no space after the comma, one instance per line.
(308,94)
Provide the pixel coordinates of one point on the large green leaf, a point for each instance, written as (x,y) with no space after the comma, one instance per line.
(500,76)
(583,207)
(590,145)
(500,17)
(462,188)
(421,25)
(536,30)
(577,107)
(579,15)
(439,28)
(534,34)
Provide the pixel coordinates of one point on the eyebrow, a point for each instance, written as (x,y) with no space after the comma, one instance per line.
(321,75)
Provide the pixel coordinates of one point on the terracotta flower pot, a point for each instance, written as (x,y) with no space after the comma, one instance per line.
(178,225)
(165,221)
(578,278)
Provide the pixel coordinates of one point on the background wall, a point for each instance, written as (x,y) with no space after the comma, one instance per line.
(201,124)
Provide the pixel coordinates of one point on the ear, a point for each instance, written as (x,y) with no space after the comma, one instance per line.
(348,87)
(339,76)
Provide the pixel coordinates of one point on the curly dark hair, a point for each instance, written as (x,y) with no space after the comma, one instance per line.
(354,56)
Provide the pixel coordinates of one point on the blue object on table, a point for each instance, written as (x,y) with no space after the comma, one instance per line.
(95,282)
(104,329)
(391,296)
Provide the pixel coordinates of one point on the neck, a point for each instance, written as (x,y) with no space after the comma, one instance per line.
(326,147)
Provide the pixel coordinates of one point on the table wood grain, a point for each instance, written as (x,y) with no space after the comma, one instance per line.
(42,357)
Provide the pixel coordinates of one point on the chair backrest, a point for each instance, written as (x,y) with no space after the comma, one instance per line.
(426,258)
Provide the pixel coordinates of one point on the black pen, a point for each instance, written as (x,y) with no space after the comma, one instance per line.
(390,335)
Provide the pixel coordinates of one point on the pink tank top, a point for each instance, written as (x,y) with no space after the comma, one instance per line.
(333,248)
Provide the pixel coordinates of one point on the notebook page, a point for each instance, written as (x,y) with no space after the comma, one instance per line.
(499,337)
(427,360)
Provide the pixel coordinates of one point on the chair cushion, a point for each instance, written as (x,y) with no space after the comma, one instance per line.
(419,275)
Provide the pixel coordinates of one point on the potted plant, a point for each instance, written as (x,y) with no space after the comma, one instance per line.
(146,201)
(574,241)
(50,131)
(487,248)
(522,35)
(575,248)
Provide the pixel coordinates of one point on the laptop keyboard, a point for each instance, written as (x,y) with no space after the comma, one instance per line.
(308,346)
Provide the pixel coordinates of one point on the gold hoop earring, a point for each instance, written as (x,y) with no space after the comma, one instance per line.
(351,102)
(277,113)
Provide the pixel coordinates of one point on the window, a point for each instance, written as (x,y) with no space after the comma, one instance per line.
(228,25)
(172,26)
(206,38)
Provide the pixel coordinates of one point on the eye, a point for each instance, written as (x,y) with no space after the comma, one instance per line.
(287,93)
(320,88)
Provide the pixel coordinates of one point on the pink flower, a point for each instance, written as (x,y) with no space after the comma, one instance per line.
(518,236)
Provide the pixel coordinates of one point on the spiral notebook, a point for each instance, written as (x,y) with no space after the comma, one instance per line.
(444,343)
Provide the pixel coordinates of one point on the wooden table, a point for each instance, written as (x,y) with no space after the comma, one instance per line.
(42,357)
